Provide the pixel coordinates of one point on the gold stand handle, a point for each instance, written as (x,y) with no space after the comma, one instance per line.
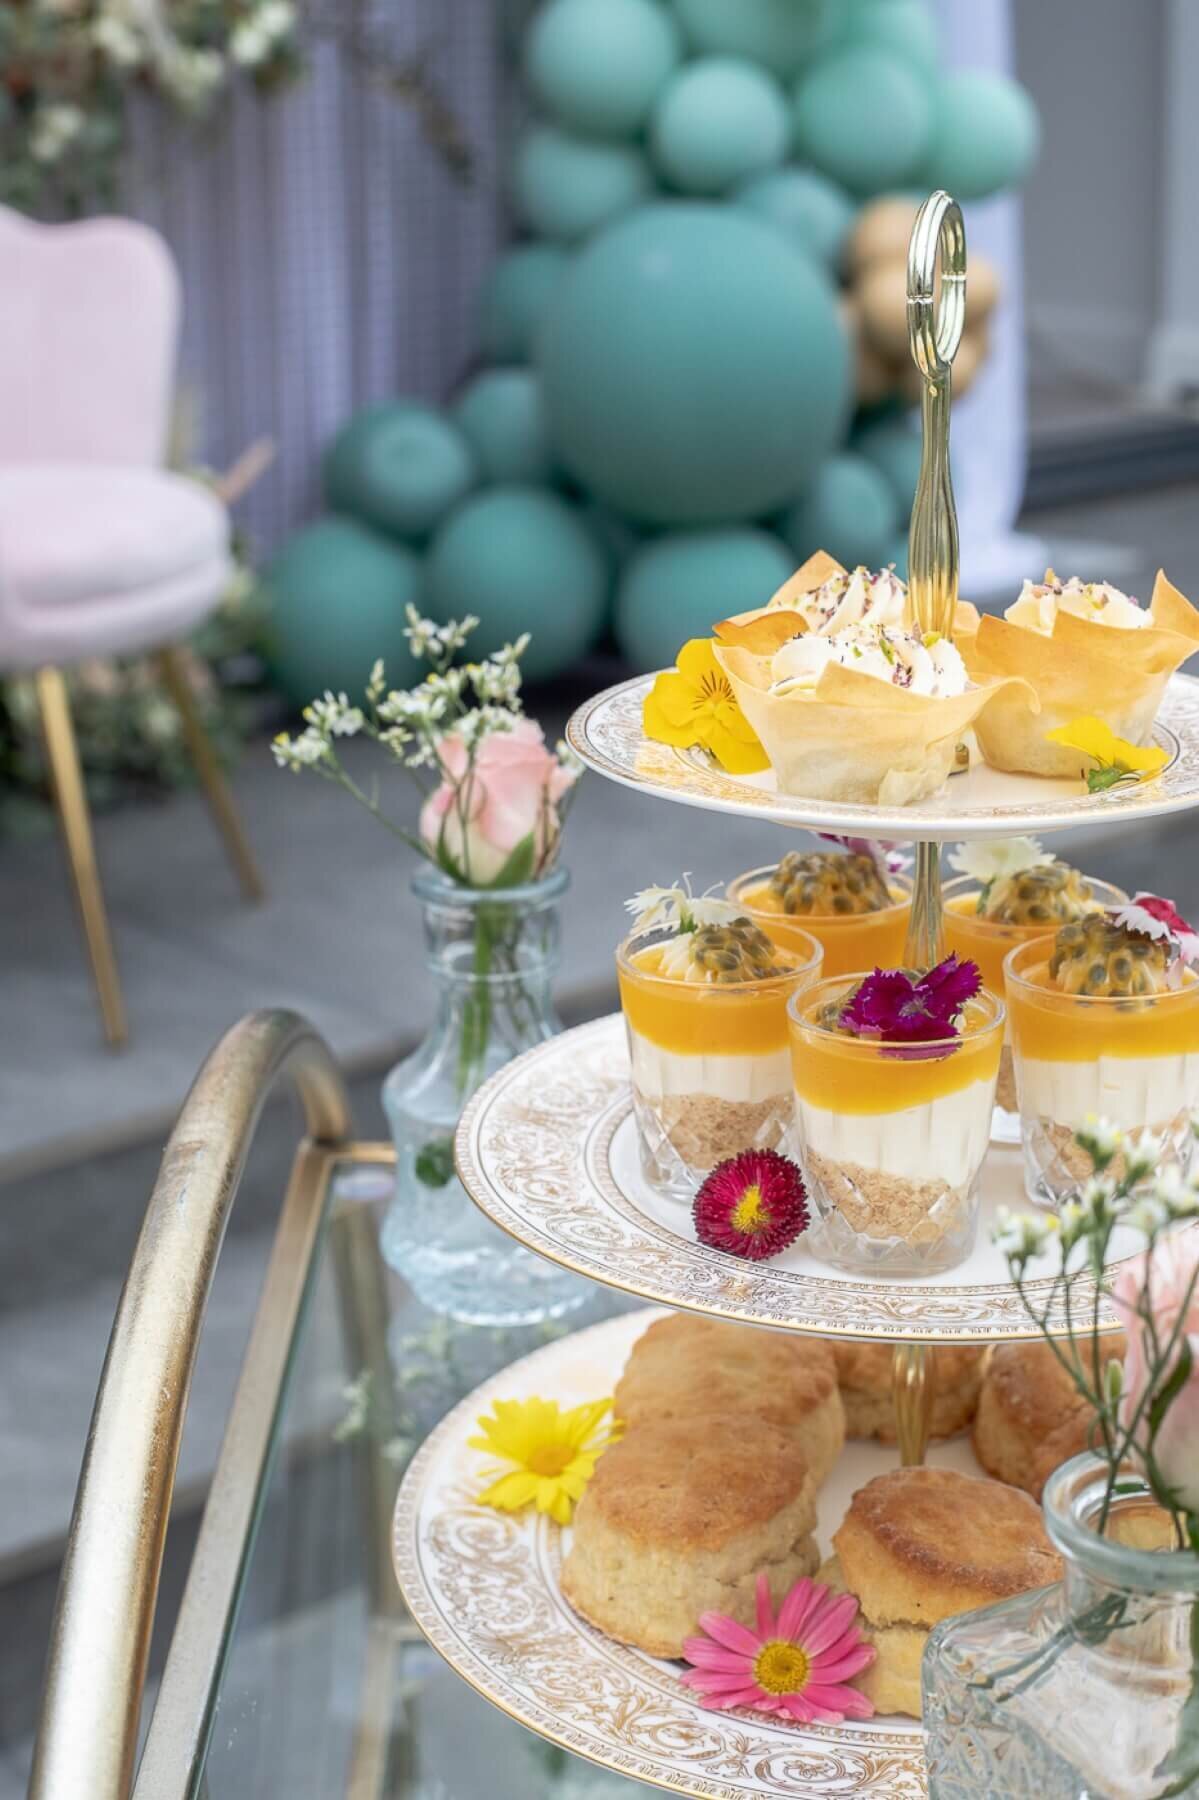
(913,1389)
(934,333)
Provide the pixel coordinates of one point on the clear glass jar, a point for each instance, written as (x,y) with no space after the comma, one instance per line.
(1133,1060)
(1074,1692)
(870,940)
(493,954)
(892,1136)
(987,943)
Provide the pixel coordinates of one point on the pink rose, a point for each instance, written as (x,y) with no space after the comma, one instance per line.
(473,824)
(1168,1272)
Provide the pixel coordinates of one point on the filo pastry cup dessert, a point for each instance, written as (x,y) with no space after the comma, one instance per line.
(704,994)
(861,710)
(1082,650)
(893,1129)
(848,900)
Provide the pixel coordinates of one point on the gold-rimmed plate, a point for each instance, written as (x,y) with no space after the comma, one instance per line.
(548,1150)
(484,1588)
(606,734)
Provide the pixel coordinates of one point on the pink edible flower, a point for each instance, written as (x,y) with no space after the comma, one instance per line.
(891,1005)
(1152,916)
(796,1665)
(753,1204)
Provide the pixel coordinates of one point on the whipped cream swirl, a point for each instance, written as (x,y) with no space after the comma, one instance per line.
(852,597)
(928,665)
(1041,601)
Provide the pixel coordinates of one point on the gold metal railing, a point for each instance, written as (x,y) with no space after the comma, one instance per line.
(100,1639)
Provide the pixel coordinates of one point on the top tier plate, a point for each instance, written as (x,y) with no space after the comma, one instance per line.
(606,733)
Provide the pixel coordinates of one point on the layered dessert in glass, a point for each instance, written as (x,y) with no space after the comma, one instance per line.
(894,1078)
(1009,894)
(704,993)
(1105,1026)
(848,899)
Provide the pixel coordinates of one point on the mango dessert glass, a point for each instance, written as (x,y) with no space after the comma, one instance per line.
(988,942)
(892,1136)
(708,1047)
(857,915)
(1129,1057)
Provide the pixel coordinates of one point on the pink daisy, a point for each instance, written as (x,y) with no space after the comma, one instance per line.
(796,1665)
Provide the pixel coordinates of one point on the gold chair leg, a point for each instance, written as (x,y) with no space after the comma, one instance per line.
(216,789)
(70,798)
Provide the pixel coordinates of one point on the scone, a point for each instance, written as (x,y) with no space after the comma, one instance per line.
(678,1520)
(685,1367)
(1031,1417)
(920,1545)
(864,1375)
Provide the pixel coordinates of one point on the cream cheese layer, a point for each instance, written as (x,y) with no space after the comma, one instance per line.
(942,1139)
(668,1074)
(1130,1091)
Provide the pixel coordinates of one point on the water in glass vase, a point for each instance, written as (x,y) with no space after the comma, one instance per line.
(493,955)
(1083,1691)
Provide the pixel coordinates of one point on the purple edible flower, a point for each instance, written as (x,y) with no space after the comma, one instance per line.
(891,1005)
(886,855)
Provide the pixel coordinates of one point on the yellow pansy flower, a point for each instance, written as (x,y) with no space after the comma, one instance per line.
(693,703)
(1115,760)
(552,1453)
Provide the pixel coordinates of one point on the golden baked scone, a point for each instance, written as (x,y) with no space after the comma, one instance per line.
(864,1375)
(679,1518)
(686,1367)
(1031,1417)
(920,1545)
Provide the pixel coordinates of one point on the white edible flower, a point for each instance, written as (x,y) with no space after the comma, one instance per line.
(333,715)
(1148,1215)
(422,634)
(1095,1202)
(987,862)
(55,127)
(378,681)
(1021,1235)
(1179,1196)
(118,42)
(300,752)
(277,18)
(1100,1138)
(1142,1157)
(249,44)
(676,907)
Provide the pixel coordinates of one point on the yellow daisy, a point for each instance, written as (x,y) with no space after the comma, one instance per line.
(693,703)
(1115,760)
(554,1453)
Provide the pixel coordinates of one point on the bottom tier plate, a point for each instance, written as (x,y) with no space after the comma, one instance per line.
(483,1587)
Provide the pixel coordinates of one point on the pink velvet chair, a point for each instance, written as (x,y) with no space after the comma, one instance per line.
(102,550)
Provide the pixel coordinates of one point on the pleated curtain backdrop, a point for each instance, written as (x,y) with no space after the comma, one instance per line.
(329,257)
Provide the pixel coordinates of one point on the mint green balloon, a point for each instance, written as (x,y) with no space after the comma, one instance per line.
(986,136)
(676,587)
(812,211)
(863,116)
(718,121)
(694,366)
(599,65)
(520,559)
(905,26)
(338,593)
(500,413)
(848,510)
(893,446)
(779,34)
(514,298)
(567,187)
(400,467)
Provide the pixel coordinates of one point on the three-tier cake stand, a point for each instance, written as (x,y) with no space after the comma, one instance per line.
(548,1150)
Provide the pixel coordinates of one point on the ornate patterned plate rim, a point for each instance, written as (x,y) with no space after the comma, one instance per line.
(560,1200)
(888,1755)
(605,732)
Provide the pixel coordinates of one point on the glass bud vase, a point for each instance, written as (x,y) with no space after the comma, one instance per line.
(1087,1688)
(493,954)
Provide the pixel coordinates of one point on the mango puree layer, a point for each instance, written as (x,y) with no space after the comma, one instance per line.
(1050,1026)
(852,942)
(695,1018)
(854,1075)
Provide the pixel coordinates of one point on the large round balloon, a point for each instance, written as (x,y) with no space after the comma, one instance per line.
(566,187)
(694,366)
(813,211)
(514,298)
(779,34)
(676,587)
(848,510)
(986,134)
(520,559)
(598,65)
(398,466)
(905,26)
(864,116)
(502,418)
(338,594)
(893,446)
(718,121)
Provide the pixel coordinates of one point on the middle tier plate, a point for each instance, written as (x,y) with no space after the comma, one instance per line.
(548,1150)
